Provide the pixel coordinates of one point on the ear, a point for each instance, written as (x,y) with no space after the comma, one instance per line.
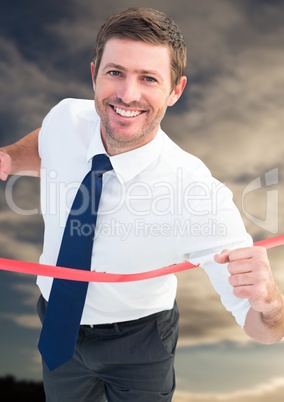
(92,73)
(177,91)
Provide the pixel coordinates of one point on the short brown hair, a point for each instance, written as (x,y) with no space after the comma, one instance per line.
(147,25)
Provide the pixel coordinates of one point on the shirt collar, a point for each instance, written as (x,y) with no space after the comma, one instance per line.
(128,164)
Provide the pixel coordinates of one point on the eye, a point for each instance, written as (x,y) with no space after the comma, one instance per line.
(150,79)
(114,73)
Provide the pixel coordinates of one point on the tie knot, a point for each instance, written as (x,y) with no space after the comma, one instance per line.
(101,164)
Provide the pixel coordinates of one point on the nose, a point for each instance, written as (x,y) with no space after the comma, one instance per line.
(129,91)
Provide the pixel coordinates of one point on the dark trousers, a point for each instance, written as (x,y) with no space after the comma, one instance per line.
(132,361)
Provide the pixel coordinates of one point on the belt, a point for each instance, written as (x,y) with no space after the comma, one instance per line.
(116,325)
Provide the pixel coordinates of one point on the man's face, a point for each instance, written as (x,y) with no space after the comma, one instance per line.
(132,92)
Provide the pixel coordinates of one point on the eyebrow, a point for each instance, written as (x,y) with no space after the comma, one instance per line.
(139,71)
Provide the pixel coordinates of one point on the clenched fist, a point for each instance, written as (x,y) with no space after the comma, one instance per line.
(252,279)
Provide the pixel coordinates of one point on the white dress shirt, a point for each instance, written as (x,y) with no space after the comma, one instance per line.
(159,206)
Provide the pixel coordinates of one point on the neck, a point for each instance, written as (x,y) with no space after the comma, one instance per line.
(116,147)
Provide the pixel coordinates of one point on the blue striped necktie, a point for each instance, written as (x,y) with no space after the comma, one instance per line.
(67,298)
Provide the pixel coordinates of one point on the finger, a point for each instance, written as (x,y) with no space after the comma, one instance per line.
(3,175)
(244,292)
(247,253)
(5,166)
(223,257)
(240,266)
(3,171)
(243,279)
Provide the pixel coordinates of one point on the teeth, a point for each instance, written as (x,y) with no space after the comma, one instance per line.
(126,113)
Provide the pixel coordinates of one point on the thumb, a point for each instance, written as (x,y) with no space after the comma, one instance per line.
(5,165)
(223,257)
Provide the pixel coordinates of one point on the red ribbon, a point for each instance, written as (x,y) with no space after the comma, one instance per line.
(93,276)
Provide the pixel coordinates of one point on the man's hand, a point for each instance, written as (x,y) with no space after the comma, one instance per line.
(5,165)
(21,158)
(252,279)
(251,276)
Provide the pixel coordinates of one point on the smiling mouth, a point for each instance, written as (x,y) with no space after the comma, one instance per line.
(127,113)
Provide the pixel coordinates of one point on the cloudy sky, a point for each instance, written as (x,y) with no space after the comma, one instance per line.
(231,116)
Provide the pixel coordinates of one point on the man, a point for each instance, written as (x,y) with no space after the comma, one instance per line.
(154,204)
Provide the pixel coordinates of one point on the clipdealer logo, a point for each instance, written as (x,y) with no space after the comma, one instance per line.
(263,187)
(159,198)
